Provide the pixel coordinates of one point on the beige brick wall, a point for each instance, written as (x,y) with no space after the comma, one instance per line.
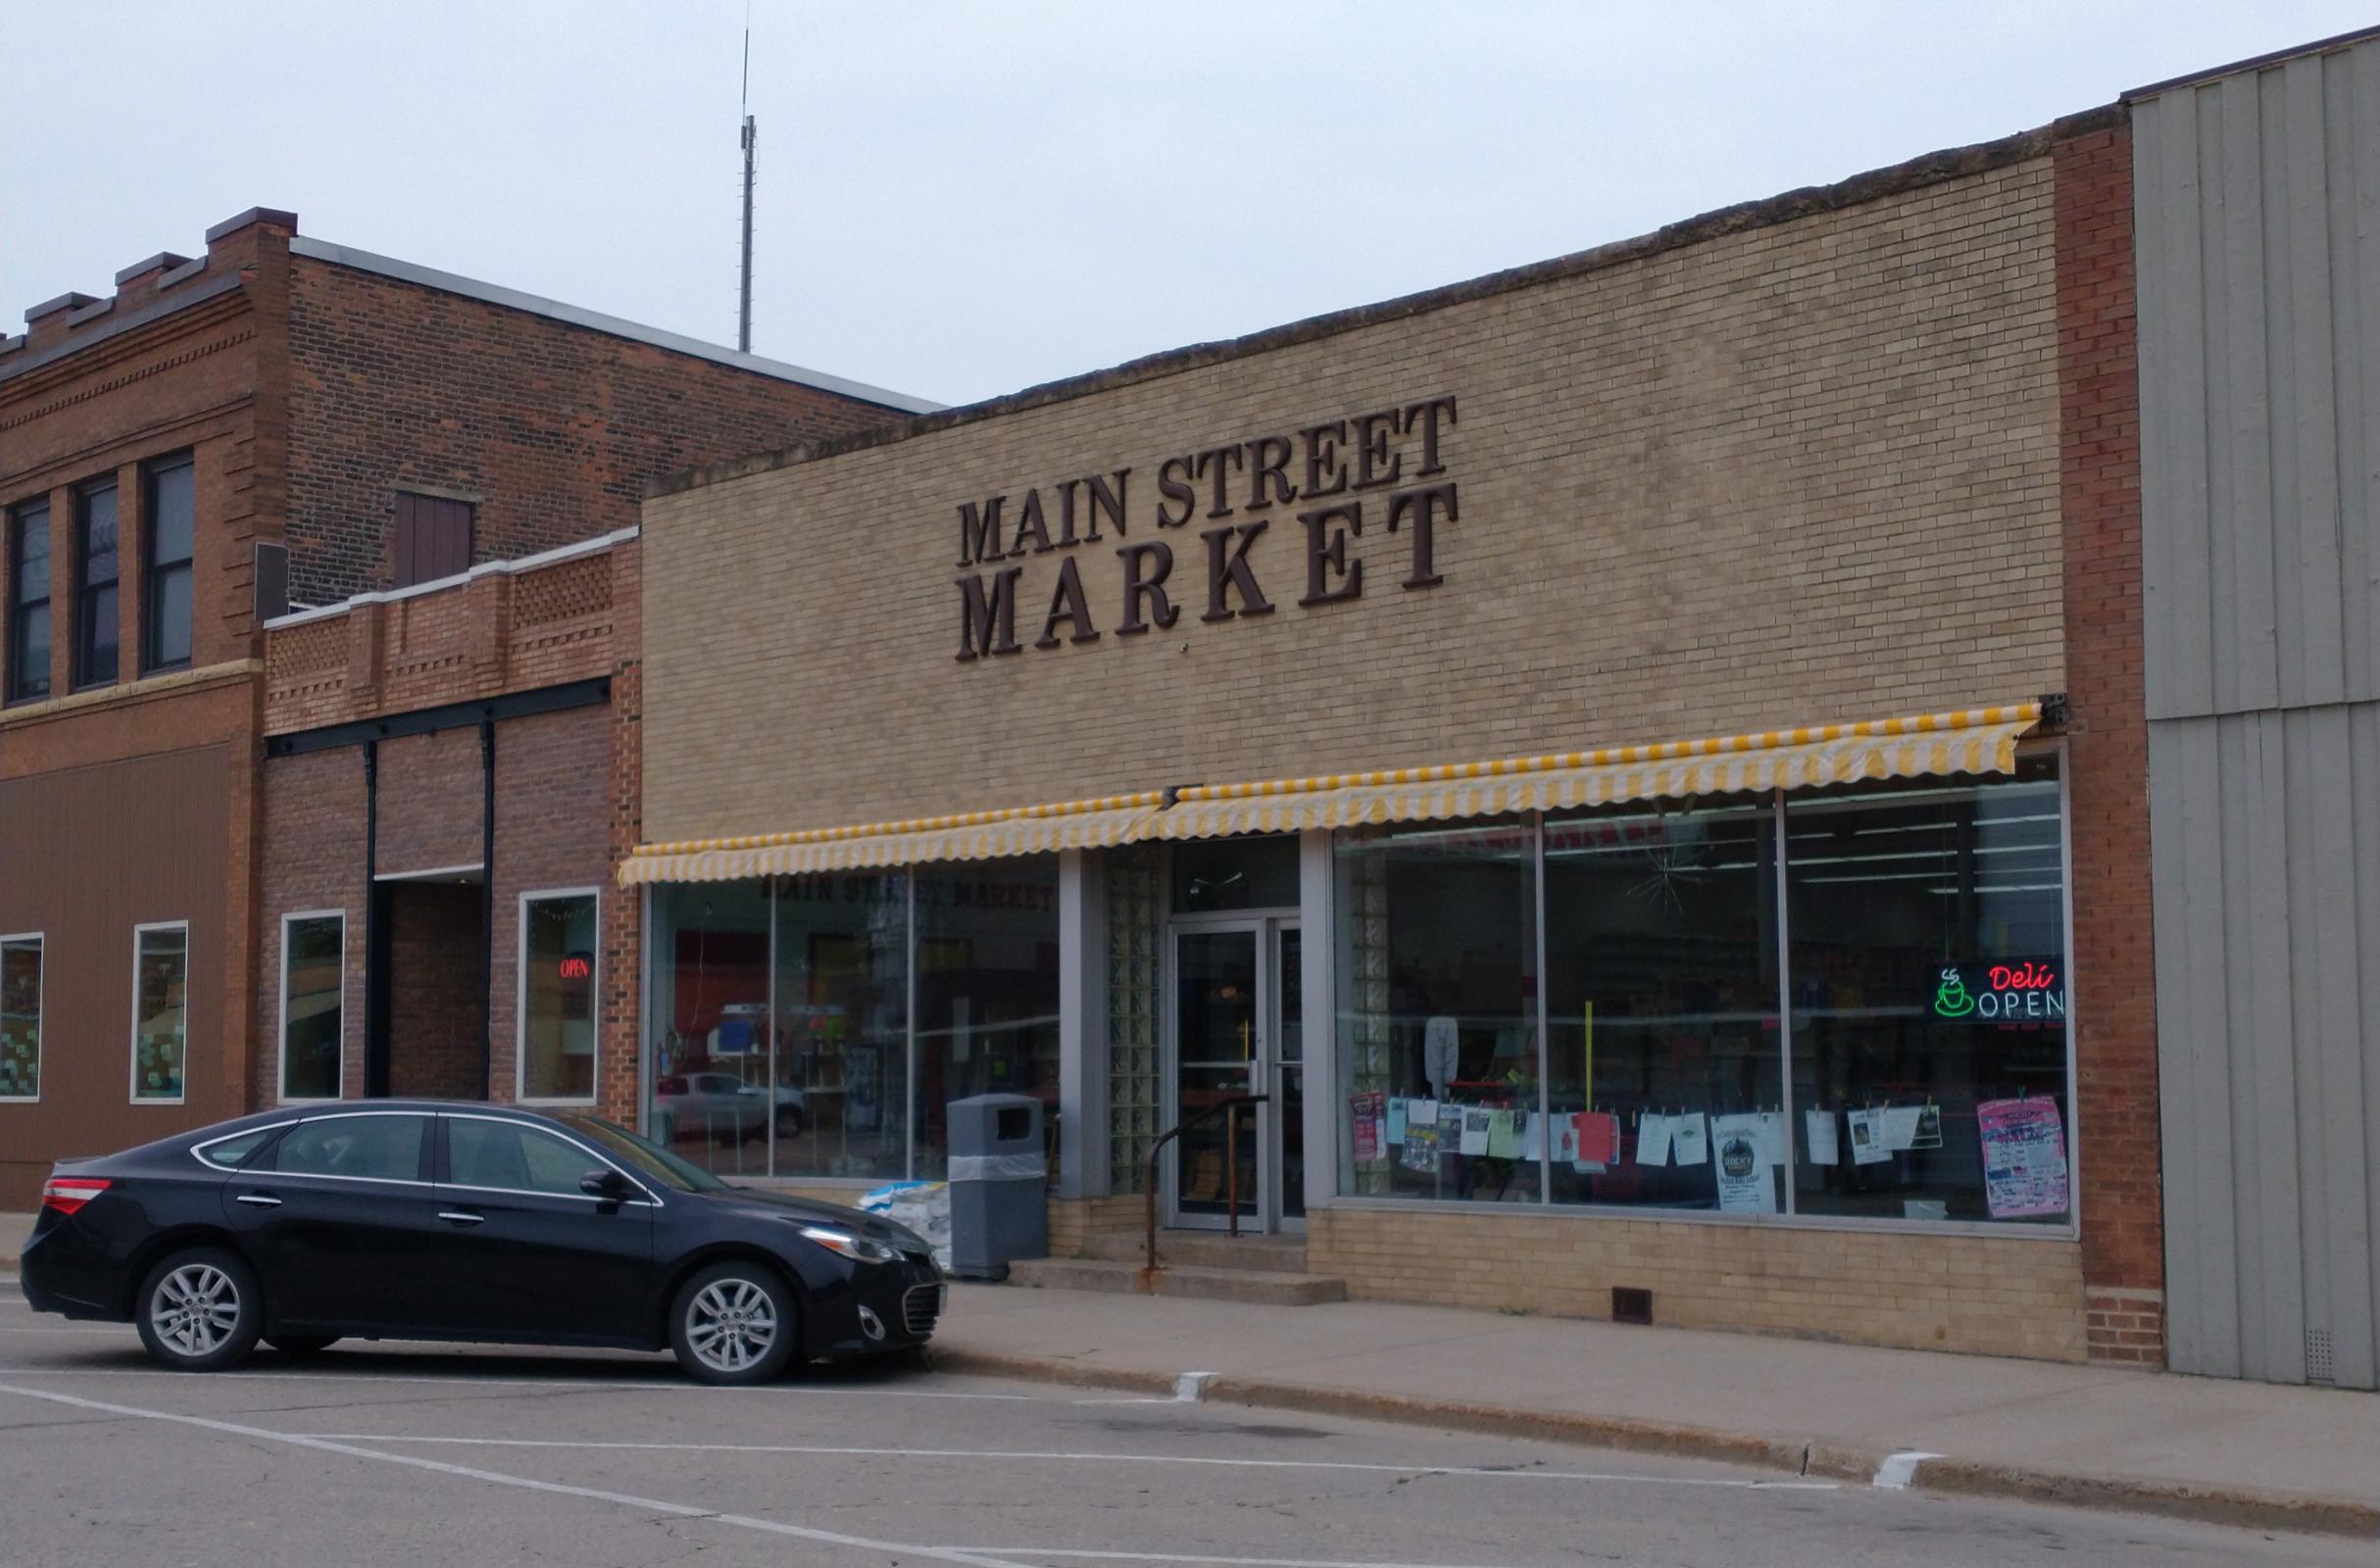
(1976,1295)
(1797,474)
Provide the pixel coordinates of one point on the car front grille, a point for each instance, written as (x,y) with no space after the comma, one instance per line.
(921,1309)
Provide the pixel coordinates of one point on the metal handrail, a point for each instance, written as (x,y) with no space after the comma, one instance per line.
(1231,1164)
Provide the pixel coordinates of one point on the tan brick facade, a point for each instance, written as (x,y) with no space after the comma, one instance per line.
(1800,473)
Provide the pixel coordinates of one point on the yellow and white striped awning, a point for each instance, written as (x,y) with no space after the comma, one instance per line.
(1979,740)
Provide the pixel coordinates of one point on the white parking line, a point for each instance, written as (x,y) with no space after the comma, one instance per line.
(969,1556)
(1201,1557)
(660,1385)
(1462,1471)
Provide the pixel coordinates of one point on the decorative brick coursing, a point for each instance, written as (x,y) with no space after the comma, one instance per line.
(1799,473)
(1976,1295)
(2117,1106)
(553,429)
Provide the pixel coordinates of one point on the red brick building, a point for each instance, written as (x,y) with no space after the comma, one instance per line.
(231,438)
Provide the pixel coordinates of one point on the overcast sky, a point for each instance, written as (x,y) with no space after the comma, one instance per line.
(960,200)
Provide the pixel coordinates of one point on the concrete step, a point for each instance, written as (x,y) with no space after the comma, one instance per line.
(1271,1254)
(1256,1286)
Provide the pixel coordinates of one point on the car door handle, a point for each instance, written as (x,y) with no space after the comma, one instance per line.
(461,1219)
(260,1199)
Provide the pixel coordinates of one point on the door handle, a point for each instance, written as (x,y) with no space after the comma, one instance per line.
(260,1199)
(461,1219)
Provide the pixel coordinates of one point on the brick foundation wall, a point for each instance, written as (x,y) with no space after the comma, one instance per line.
(2116,1108)
(434,990)
(1073,1221)
(1974,1295)
(552,428)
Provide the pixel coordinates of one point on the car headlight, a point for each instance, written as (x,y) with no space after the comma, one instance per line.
(857,1247)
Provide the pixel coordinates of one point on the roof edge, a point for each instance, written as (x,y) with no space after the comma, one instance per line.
(2194,78)
(596,322)
(1930,168)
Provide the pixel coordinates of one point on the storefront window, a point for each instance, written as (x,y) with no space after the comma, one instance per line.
(1256,872)
(1437,1013)
(19,1017)
(161,1011)
(1930,1002)
(1924,952)
(987,990)
(841,1092)
(558,987)
(1662,1010)
(314,977)
(711,1045)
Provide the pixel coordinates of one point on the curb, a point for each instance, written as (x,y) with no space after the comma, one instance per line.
(2244,1508)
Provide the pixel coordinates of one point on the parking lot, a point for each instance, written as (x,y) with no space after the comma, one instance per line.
(419,1454)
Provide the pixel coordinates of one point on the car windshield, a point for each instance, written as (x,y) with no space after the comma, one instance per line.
(648,1159)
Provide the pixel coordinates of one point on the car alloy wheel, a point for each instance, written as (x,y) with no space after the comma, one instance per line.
(200,1310)
(734,1322)
(732,1325)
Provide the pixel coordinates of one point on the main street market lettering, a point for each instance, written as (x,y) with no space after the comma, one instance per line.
(1331,467)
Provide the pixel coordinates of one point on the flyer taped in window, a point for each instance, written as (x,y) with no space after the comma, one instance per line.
(2024,1157)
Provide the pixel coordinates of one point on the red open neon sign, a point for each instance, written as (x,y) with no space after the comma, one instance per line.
(576,966)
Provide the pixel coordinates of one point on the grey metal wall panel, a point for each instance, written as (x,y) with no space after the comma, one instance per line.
(2265,832)
(2257,211)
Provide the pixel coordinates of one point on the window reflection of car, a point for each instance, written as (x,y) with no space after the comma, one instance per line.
(714,1104)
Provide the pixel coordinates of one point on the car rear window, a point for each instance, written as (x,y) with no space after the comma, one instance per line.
(233,1151)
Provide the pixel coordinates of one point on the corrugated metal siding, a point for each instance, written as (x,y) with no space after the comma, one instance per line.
(2266,829)
(2257,211)
(2257,217)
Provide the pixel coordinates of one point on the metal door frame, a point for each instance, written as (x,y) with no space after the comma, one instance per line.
(1265,926)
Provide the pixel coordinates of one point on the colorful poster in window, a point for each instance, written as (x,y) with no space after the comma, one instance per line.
(2024,1157)
(1867,1136)
(1474,1130)
(1504,1134)
(1741,1165)
(1598,1137)
(1421,1146)
(1370,1110)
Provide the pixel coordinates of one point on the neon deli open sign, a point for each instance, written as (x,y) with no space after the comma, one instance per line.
(2025,991)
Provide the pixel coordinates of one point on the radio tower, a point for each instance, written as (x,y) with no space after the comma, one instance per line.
(743,317)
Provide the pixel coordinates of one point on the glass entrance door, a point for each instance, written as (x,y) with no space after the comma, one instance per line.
(1236,1031)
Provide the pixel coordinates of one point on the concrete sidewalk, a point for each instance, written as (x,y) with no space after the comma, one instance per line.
(2246,1453)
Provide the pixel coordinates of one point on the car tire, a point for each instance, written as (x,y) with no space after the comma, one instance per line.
(789,1122)
(301,1344)
(734,1323)
(200,1309)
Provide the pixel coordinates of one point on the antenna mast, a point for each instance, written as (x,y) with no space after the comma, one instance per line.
(743,322)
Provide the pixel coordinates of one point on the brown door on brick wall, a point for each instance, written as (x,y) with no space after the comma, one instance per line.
(432,538)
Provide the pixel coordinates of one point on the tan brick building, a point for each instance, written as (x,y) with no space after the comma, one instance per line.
(447,472)
(1299,719)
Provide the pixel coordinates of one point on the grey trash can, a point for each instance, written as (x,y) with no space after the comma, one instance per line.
(999,1211)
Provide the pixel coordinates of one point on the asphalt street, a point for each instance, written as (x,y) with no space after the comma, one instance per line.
(370,1455)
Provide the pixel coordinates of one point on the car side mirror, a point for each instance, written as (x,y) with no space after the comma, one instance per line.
(606,1184)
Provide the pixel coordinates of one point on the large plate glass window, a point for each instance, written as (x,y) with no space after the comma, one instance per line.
(1437,974)
(313,980)
(708,1038)
(165,571)
(558,991)
(987,992)
(161,1010)
(21,1017)
(841,1096)
(1663,1067)
(29,603)
(1930,1001)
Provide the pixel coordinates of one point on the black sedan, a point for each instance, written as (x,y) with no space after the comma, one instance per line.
(409,1219)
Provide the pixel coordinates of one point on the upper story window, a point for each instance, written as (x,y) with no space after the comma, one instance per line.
(432,538)
(95,572)
(29,603)
(166,574)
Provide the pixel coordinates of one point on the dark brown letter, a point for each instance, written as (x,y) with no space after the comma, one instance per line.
(1323,458)
(1429,411)
(1326,554)
(1419,502)
(1067,605)
(1221,460)
(1174,490)
(1269,470)
(1136,584)
(988,624)
(1110,501)
(979,533)
(1227,567)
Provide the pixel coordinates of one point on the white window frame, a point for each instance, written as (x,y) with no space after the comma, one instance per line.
(520,999)
(132,1030)
(41,988)
(280,1074)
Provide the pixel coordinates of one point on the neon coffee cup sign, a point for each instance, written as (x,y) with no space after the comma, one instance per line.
(2024,991)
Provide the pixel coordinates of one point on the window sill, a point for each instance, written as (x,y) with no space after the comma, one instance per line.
(151,686)
(1987,1230)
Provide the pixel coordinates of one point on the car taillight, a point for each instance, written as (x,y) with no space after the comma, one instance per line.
(67,1194)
